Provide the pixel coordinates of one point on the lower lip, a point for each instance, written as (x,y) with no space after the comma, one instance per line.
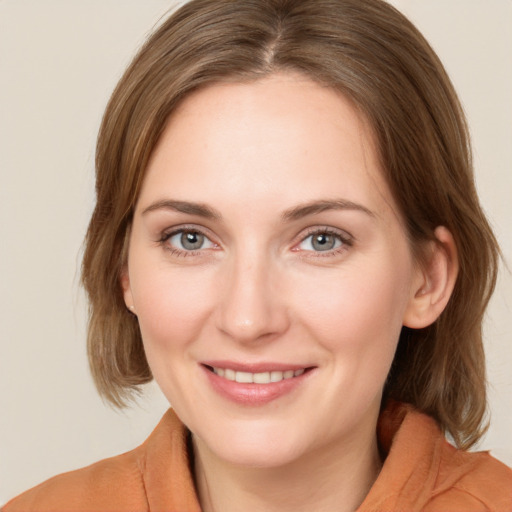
(253,394)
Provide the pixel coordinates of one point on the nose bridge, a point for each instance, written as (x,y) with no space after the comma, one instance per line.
(251,306)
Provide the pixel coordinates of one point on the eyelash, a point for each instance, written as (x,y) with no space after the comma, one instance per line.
(167,235)
(345,239)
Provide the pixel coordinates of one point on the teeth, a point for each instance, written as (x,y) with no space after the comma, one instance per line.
(276,376)
(261,378)
(244,377)
(256,378)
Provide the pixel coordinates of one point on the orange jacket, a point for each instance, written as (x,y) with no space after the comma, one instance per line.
(421,472)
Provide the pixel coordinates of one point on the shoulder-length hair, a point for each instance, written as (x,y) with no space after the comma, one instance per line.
(369,52)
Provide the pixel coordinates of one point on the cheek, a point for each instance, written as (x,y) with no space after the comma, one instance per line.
(358,308)
(173,307)
(172,304)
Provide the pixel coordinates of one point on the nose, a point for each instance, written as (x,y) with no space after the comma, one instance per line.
(252,305)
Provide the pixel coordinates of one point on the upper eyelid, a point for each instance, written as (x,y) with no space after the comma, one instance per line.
(165,235)
(347,242)
(168,232)
(344,235)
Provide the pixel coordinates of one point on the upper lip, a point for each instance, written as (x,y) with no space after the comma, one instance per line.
(259,367)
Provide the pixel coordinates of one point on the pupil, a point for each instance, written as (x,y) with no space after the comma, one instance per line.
(192,240)
(323,242)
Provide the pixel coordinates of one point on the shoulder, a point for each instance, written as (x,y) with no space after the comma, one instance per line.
(422,471)
(109,485)
(472,481)
(154,476)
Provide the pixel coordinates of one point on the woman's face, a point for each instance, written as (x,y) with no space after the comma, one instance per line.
(269,270)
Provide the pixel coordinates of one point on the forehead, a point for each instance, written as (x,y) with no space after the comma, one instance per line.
(274,138)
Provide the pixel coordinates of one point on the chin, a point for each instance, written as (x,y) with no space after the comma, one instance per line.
(257,456)
(254,447)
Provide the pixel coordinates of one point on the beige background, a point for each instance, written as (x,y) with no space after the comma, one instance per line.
(59,60)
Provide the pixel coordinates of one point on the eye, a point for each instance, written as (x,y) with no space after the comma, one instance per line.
(323,241)
(188,240)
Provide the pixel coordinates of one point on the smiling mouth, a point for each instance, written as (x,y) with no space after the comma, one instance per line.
(256,378)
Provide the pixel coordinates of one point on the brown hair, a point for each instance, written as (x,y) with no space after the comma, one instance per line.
(370,53)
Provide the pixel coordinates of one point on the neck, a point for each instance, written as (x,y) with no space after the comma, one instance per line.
(336,477)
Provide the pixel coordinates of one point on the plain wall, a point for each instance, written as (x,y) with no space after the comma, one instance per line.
(59,61)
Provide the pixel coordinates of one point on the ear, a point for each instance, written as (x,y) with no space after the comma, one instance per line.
(435,282)
(127,291)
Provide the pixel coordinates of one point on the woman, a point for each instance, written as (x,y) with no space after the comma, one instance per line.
(284,237)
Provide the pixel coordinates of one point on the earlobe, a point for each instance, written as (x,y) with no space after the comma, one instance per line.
(127,292)
(435,283)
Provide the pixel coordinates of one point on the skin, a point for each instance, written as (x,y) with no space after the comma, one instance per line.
(259,290)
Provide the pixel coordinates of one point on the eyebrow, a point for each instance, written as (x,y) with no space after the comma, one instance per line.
(199,209)
(316,207)
(295,213)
